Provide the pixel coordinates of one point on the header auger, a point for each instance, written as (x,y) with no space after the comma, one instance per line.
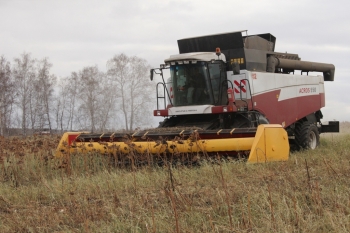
(227,95)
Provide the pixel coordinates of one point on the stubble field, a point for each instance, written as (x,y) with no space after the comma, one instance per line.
(87,193)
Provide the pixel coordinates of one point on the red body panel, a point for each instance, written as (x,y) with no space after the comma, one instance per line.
(71,138)
(288,111)
(323,101)
(160,112)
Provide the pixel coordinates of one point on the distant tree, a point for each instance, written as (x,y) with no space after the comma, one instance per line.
(90,92)
(60,105)
(7,94)
(71,87)
(108,103)
(24,75)
(88,99)
(130,74)
(85,100)
(65,106)
(44,87)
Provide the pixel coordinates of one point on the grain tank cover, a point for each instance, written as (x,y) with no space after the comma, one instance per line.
(254,53)
(249,51)
(209,43)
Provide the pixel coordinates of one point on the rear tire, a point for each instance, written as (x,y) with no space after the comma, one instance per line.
(307,135)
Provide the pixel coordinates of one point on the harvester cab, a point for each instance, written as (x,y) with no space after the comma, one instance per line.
(227,95)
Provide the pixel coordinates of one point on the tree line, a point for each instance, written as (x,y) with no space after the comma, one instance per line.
(32,98)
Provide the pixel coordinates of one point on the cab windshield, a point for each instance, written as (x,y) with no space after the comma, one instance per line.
(196,84)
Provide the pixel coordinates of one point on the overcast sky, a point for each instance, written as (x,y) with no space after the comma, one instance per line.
(75,34)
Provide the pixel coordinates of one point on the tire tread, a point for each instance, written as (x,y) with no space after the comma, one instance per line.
(302,131)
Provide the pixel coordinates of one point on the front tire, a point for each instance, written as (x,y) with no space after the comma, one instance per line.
(307,135)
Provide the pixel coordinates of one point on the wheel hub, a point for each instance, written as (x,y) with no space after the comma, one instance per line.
(313,140)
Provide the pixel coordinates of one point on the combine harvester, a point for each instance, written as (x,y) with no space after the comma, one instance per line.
(227,94)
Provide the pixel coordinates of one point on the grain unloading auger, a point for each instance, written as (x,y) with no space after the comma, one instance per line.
(267,143)
(243,99)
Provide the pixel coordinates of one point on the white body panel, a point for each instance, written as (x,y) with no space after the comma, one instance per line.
(193,109)
(291,86)
(239,84)
(199,56)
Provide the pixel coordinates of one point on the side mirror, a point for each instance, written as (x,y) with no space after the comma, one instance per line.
(151,75)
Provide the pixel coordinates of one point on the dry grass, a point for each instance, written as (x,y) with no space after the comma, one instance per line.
(308,193)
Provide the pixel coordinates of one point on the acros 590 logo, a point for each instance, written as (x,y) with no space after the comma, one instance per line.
(305,90)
